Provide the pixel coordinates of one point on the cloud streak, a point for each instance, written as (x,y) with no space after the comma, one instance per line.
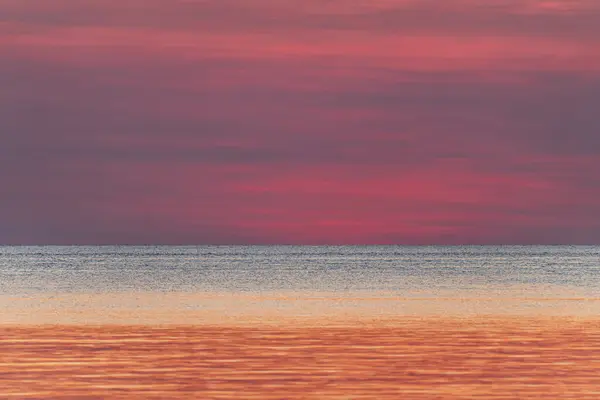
(299,122)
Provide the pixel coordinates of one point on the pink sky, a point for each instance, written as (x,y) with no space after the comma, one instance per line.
(313,121)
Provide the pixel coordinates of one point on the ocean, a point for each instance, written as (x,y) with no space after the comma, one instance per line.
(194,284)
(296,322)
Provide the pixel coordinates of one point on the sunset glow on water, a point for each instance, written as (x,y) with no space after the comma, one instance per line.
(428,358)
(215,334)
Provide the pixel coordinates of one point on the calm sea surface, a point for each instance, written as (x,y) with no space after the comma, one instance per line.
(30,270)
(51,280)
(415,323)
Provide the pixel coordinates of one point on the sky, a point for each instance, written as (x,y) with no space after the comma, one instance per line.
(299,122)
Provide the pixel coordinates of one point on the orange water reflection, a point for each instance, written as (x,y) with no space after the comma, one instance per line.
(181,308)
(409,358)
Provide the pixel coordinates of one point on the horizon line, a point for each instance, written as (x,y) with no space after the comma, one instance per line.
(292,244)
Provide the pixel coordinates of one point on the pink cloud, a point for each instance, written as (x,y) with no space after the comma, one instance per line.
(304,122)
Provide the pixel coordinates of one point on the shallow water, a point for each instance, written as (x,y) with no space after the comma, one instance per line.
(511,358)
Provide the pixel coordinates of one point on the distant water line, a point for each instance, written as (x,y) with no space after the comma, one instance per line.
(101,284)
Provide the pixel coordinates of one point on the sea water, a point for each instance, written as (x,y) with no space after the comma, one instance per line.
(88,284)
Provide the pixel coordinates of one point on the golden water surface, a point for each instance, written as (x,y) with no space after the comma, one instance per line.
(503,357)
